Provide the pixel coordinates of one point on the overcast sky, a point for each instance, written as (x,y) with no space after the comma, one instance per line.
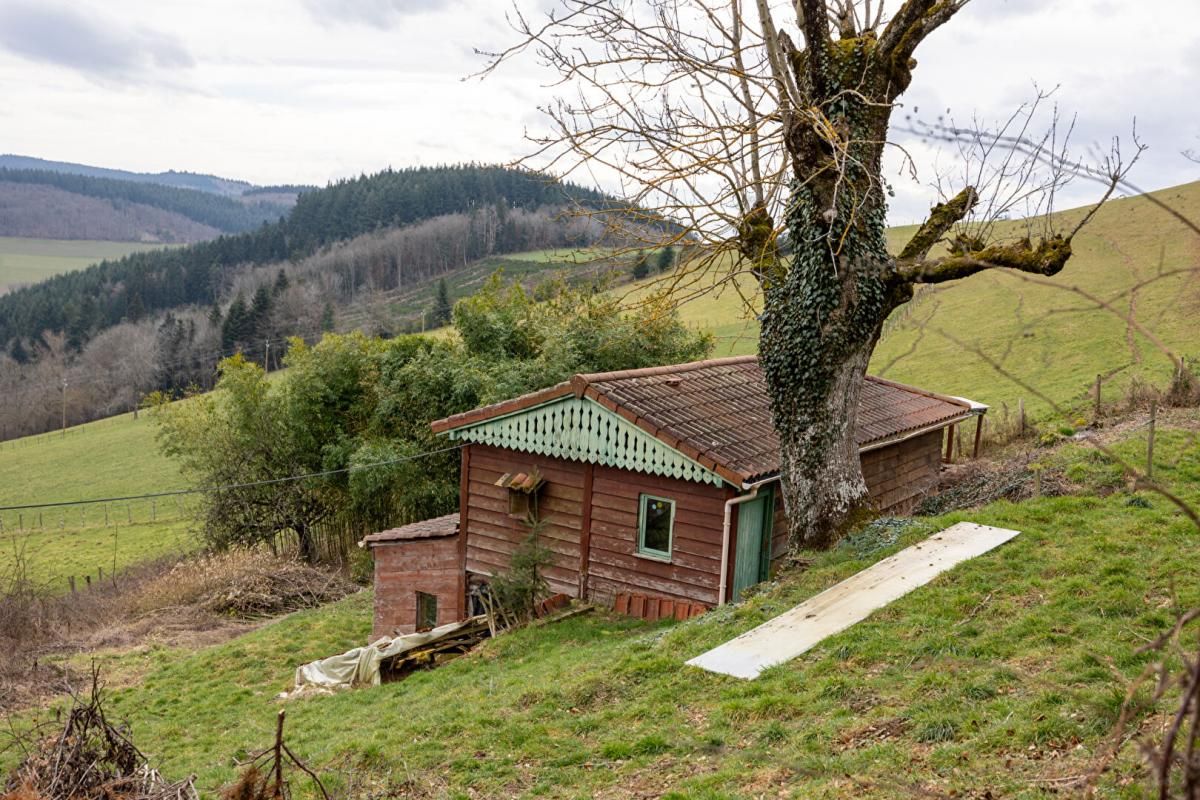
(273,91)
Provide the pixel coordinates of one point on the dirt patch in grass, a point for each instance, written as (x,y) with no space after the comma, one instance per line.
(873,733)
(190,603)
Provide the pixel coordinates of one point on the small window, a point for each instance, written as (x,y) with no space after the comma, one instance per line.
(426,611)
(656,519)
(521,505)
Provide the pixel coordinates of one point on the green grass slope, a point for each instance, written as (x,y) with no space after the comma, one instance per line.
(530,268)
(1054,341)
(114,457)
(996,677)
(32,260)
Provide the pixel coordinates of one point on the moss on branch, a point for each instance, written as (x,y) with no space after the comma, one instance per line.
(1046,258)
(942,218)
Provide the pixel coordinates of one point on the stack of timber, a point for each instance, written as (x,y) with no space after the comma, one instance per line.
(435,651)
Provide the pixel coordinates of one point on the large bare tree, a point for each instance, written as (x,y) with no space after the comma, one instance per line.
(755,123)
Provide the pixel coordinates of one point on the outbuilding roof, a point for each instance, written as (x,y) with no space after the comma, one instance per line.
(718,412)
(425,529)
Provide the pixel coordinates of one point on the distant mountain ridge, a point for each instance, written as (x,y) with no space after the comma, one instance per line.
(211,184)
(63,219)
(490,204)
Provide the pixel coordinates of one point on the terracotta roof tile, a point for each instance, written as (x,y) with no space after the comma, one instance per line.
(426,529)
(721,409)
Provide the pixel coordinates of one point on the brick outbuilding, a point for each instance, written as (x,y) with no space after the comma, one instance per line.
(419,579)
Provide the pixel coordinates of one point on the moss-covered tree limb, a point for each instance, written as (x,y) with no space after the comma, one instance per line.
(941,219)
(1046,258)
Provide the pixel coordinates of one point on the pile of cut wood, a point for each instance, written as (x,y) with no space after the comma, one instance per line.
(89,758)
(428,655)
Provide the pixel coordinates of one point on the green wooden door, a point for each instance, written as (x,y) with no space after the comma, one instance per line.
(753,533)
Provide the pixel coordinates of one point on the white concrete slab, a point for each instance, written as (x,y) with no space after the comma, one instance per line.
(853,600)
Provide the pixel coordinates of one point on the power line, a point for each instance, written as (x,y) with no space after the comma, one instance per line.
(267,482)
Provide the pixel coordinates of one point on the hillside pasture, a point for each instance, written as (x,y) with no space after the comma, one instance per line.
(1003,677)
(381,310)
(115,457)
(31,260)
(1041,336)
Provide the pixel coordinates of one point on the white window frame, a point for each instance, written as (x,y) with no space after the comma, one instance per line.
(642,549)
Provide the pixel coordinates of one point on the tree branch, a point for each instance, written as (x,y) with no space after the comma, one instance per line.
(942,218)
(915,20)
(814,18)
(1047,258)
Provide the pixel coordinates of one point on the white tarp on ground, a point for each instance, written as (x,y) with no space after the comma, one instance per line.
(842,605)
(360,666)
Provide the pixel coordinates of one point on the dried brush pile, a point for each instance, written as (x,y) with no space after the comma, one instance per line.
(245,584)
(89,758)
(978,484)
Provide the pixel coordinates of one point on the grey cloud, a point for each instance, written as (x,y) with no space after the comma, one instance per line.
(97,48)
(376,13)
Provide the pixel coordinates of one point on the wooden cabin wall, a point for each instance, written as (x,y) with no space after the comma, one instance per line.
(614,565)
(900,475)
(492,534)
(897,477)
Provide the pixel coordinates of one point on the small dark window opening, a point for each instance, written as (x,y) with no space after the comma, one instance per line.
(522,505)
(426,611)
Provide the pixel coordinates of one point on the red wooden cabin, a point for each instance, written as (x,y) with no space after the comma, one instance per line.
(653,484)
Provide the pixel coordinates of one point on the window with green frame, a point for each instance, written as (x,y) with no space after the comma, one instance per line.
(656,523)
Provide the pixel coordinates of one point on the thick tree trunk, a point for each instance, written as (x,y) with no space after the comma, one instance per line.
(823,487)
(824,310)
(308,546)
(819,329)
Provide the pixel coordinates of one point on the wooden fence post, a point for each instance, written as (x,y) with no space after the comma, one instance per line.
(1150,438)
(1021,415)
(1096,415)
(71,582)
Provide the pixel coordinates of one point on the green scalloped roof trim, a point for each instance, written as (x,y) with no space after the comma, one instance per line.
(581,429)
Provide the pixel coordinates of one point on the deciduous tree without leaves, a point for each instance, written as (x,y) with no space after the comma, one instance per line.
(743,121)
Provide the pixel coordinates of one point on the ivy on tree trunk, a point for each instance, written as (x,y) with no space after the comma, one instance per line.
(824,308)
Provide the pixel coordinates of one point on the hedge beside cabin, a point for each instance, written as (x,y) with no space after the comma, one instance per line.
(657,482)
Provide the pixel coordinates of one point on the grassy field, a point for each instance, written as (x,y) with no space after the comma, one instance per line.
(1053,340)
(32,260)
(997,677)
(111,458)
(530,268)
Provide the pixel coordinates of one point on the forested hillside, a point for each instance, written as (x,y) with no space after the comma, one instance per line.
(217,213)
(81,304)
(367,249)
(34,211)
